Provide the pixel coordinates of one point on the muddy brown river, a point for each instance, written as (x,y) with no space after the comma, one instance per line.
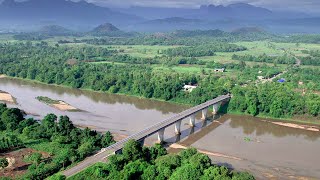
(267,150)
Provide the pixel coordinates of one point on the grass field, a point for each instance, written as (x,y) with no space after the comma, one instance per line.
(254,48)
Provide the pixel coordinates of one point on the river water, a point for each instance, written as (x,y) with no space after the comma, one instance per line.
(267,150)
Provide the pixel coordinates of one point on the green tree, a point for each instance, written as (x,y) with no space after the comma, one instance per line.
(187,171)
(157,151)
(3,163)
(216,173)
(132,151)
(86,148)
(167,164)
(242,176)
(107,139)
(200,161)
(134,170)
(34,158)
(150,173)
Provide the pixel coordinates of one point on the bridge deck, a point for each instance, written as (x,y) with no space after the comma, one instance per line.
(142,135)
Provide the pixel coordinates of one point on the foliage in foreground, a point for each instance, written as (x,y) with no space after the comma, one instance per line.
(137,162)
(64,142)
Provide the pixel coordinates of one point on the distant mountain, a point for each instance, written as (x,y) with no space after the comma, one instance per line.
(169,24)
(105,28)
(30,15)
(81,15)
(173,20)
(194,33)
(232,11)
(108,29)
(227,18)
(152,13)
(248,30)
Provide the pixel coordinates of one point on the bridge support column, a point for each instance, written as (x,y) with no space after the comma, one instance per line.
(192,120)
(161,135)
(204,114)
(216,108)
(141,142)
(177,127)
(118,151)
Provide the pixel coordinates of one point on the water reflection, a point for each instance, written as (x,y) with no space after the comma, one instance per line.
(253,125)
(97,97)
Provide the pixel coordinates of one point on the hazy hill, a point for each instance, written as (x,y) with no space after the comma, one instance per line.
(105,28)
(82,14)
(170,24)
(108,29)
(194,33)
(248,30)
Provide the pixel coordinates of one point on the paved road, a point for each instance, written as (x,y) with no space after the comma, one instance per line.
(104,153)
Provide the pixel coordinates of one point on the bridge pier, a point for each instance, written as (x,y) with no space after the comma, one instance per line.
(192,120)
(161,135)
(204,114)
(177,127)
(216,108)
(141,142)
(119,151)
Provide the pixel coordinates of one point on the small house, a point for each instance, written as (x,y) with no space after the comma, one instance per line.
(260,77)
(189,88)
(220,70)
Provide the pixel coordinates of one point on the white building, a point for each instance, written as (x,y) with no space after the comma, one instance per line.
(189,88)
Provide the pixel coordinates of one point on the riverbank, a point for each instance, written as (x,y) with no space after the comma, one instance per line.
(215,154)
(288,122)
(3,76)
(6,97)
(291,120)
(105,92)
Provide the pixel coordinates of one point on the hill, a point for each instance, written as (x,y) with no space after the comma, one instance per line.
(108,29)
(105,28)
(81,14)
(170,24)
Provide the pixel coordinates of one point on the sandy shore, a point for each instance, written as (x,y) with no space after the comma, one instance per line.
(2,76)
(6,97)
(178,146)
(63,106)
(297,126)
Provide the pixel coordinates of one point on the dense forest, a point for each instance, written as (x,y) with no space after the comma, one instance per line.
(65,143)
(203,50)
(137,162)
(266,59)
(313,59)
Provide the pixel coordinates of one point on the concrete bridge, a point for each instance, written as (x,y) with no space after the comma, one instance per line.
(158,128)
